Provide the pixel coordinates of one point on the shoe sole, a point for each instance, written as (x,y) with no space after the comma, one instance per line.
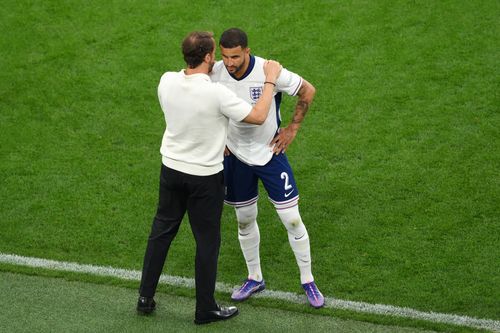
(145,312)
(261,288)
(317,306)
(208,321)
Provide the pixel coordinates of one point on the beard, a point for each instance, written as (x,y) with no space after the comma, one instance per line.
(236,69)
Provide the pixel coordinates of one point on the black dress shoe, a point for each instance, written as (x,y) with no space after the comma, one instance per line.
(145,305)
(222,313)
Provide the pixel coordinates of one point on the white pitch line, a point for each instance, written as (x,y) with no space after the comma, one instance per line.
(330,302)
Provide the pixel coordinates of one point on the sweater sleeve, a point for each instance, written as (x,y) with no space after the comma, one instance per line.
(231,105)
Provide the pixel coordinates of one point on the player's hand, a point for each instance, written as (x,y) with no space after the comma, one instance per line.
(227,152)
(272,69)
(283,139)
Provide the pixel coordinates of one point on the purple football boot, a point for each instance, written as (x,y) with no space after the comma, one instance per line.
(247,289)
(314,296)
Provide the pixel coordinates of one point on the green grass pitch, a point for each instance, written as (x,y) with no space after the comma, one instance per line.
(397,161)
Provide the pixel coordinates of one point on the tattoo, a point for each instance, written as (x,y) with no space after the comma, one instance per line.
(306,95)
(300,111)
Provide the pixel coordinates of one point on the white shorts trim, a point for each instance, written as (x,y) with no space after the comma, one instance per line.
(242,203)
(285,204)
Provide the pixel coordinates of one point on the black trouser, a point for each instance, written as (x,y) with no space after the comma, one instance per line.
(202,197)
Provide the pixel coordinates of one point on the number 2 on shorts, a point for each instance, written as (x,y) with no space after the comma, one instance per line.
(285,176)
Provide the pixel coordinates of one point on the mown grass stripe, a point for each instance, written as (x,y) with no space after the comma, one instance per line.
(330,302)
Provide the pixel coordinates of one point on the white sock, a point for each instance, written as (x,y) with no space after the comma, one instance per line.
(249,237)
(299,241)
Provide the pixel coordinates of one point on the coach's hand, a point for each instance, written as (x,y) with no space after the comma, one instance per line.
(284,138)
(272,70)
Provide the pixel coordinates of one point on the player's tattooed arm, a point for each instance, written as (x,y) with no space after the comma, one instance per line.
(286,135)
(301,108)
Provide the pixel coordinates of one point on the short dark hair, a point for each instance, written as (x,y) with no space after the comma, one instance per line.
(233,37)
(196,46)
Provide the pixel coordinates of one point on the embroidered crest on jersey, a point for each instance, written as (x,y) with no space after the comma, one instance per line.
(255,93)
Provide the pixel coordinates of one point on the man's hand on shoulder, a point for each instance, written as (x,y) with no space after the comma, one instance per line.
(272,70)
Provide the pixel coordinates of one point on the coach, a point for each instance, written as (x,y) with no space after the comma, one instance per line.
(196,112)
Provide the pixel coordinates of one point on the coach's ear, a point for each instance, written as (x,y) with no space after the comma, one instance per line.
(209,58)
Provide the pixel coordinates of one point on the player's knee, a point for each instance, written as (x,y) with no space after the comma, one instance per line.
(246,216)
(293,222)
(296,228)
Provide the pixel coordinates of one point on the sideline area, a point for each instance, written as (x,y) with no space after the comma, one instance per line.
(47,304)
(333,303)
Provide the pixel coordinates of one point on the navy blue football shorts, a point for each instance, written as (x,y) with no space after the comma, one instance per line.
(242,182)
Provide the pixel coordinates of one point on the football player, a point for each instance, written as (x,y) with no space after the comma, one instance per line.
(258,152)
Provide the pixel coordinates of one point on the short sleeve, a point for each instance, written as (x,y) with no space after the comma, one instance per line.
(288,82)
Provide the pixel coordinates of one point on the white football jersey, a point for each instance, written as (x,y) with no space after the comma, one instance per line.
(250,143)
